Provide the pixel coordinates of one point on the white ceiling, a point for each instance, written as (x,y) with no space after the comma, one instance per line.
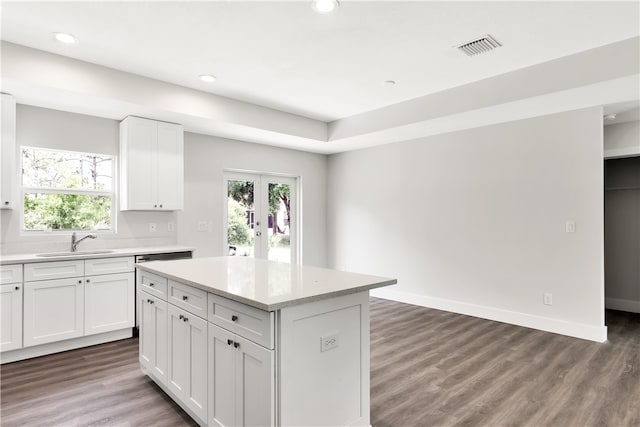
(284,56)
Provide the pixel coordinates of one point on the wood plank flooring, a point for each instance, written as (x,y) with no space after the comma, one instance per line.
(428,368)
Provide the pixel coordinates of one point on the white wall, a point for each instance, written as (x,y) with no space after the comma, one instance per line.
(474,221)
(40,127)
(622,139)
(207,157)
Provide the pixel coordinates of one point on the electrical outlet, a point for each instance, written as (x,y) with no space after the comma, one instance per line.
(203,226)
(152,227)
(328,342)
(570,226)
(547,299)
(171,226)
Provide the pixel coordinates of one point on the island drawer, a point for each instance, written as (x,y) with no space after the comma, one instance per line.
(153,284)
(188,298)
(10,274)
(248,322)
(108,265)
(53,270)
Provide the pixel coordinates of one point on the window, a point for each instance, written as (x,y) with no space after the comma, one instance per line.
(66,190)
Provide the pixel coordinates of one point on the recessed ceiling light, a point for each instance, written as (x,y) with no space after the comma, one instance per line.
(65,38)
(389,82)
(208,78)
(324,6)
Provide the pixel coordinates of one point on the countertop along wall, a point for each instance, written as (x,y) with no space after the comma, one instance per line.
(205,158)
(474,221)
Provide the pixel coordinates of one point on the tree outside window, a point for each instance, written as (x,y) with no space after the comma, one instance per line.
(66,190)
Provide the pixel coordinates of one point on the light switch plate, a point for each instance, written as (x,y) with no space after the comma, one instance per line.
(152,227)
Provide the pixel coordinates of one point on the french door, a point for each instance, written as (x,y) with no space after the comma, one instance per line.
(261,217)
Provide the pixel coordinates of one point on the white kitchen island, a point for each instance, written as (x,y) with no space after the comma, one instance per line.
(237,341)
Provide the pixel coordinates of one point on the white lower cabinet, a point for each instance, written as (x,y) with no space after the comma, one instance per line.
(53,310)
(153,335)
(187,359)
(10,316)
(241,381)
(109,302)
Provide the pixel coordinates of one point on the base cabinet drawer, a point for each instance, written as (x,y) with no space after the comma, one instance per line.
(109,265)
(53,270)
(249,322)
(53,310)
(152,284)
(188,298)
(10,273)
(10,317)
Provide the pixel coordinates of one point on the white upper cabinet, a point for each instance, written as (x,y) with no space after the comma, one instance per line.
(151,165)
(8,153)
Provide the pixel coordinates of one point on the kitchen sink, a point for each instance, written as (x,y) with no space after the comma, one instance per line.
(78,253)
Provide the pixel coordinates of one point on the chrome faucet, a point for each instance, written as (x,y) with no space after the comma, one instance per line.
(74,241)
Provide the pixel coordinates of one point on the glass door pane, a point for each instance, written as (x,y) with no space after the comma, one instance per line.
(241,217)
(279,245)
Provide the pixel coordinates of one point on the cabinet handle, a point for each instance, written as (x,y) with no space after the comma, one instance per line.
(88,281)
(155,206)
(184,297)
(6,203)
(229,342)
(160,205)
(185,319)
(17,288)
(236,344)
(151,284)
(181,317)
(234,318)
(79,281)
(150,301)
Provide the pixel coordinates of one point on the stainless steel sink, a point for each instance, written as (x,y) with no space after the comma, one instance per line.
(78,253)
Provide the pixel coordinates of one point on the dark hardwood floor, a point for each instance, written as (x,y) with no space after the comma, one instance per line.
(428,368)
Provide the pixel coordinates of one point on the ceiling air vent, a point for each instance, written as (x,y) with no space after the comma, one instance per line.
(481,45)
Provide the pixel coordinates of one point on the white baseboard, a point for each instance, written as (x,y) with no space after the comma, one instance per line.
(577,330)
(70,344)
(622,304)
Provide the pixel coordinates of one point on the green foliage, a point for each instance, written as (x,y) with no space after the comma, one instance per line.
(277,193)
(66,212)
(69,171)
(241,192)
(238,230)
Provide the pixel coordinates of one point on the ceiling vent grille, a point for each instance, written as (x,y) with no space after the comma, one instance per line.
(481,45)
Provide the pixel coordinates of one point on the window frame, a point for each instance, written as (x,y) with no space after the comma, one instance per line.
(77,191)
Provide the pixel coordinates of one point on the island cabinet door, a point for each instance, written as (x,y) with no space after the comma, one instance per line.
(241,381)
(255,392)
(222,382)
(153,336)
(187,359)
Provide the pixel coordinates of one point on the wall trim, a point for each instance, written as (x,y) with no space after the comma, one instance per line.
(622,304)
(563,327)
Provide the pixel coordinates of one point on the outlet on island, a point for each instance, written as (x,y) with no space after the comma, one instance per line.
(152,227)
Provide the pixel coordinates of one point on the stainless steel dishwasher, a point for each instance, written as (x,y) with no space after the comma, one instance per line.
(168,256)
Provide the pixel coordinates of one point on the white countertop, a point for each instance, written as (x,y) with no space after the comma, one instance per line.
(266,285)
(29,258)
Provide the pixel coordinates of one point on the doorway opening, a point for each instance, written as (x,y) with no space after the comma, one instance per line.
(622,243)
(261,216)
